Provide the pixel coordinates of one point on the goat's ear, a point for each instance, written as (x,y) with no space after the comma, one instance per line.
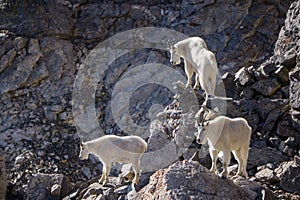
(81,143)
(170,48)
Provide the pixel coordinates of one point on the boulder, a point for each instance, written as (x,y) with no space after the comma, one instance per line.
(295,88)
(48,186)
(267,175)
(158,137)
(266,87)
(288,172)
(243,77)
(258,157)
(188,180)
(250,187)
(282,74)
(295,96)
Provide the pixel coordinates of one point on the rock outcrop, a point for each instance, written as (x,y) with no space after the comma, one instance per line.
(48,186)
(188,180)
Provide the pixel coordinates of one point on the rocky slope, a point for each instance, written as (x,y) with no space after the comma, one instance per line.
(43,44)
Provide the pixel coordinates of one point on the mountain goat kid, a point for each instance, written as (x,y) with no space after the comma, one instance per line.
(226,135)
(112,148)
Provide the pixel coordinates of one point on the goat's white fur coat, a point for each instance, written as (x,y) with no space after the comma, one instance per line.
(112,148)
(226,134)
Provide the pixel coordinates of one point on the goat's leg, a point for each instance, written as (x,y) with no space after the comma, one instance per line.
(136,169)
(102,179)
(107,170)
(244,155)
(226,157)
(206,90)
(212,85)
(206,99)
(238,156)
(214,157)
(189,72)
(196,81)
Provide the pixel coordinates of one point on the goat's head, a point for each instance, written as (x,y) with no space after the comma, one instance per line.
(175,58)
(84,152)
(201,134)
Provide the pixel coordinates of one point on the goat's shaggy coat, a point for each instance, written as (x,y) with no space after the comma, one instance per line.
(112,148)
(225,134)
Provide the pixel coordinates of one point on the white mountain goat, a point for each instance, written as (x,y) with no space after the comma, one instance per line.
(112,148)
(199,60)
(225,134)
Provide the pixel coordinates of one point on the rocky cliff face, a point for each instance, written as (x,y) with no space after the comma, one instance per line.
(43,44)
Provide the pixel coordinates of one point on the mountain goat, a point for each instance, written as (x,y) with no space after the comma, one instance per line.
(199,60)
(226,134)
(112,148)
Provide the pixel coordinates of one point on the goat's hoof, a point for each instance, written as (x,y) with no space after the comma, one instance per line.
(105,183)
(223,175)
(241,174)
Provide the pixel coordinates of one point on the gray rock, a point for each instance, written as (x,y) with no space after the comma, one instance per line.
(250,187)
(93,190)
(34,47)
(184,135)
(3,178)
(267,175)
(282,74)
(17,74)
(288,172)
(39,73)
(284,51)
(294,96)
(19,43)
(263,156)
(289,60)
(51,116)
(158,137)
(7,59)
(266,87)
(285,128)
(48,186)
(243,77)
(189,180)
